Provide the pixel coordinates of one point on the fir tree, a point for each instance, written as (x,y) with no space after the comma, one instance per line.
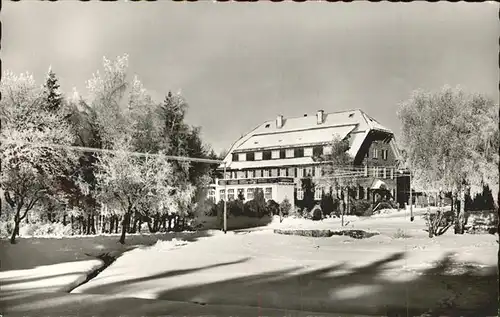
(52,95)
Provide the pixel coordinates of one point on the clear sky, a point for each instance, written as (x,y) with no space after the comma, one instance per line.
(239,64)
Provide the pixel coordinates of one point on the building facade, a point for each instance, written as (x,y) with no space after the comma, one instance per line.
(277,154)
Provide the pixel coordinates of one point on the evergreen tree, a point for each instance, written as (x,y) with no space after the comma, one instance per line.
(52,95)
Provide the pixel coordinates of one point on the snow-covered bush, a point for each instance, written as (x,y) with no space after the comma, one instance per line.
(438,222)
(361,208)
(6,228)
(317,213)
(45,230)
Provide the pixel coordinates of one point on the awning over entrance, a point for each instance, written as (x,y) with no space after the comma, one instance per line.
(378,184)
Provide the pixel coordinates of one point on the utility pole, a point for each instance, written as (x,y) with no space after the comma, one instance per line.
(225,199)
(411,201)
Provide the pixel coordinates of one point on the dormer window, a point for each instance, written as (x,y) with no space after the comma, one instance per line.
(351,115)
(268,125)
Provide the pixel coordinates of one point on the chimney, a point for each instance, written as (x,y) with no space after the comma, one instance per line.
(279,121)
(320,116)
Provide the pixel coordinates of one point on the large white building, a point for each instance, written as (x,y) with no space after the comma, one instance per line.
(277,154)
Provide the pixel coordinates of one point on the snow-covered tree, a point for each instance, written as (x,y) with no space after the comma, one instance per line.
(451,141)
(30,172)
(126,181)
(53,98)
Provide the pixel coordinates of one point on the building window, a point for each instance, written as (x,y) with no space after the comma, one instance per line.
(291,172)
(275,154)
(283,172)
(380,172)
(300,194)
(385,154)
(274,172)
(318,193)
(258,156)
(317,151)
(222,195)
(289,153)
(300,172)
(230,194)
(392,173)
(327,149)
(318,171)
(233,174)
(299,152)
(268,193)
(266,173)
(308,151)
(235,157)
(211,195)
(241,193)
(282,154)
(375,153)
(251,174)
(251,156)
(385,172)
(258,173)
(366,171)
(374,172)
(266,155)
(242,157)
(308,171)
(249,193)
(241,174)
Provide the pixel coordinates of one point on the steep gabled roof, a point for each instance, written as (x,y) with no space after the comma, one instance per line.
(297,131)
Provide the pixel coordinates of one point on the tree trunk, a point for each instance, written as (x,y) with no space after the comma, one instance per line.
(134,228)
(117,221)
(17,220)
(150,227)
(64,219)
(72,223)
(27,221)
(88,225)
(16,230)
(460,219)
(125,222)
(111,224)
(169,223)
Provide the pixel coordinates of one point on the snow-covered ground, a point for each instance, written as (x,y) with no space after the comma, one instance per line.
(258,269)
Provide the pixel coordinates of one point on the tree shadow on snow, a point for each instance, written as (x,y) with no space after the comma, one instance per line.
(30,253)
(365,290)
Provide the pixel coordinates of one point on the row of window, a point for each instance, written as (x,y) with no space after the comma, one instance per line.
(268,193)
(297,152)
(375,152)
(299,172)
(282,154)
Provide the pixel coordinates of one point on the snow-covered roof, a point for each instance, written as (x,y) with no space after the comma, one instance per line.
(272,163)
(295,138)
(305,130)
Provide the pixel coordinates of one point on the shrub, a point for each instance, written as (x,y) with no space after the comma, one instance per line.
(273,208)
(316,213)
(386,205)
(306,233)
(327,204)
(6,228)
(235,208)
(438,222)
(361,208)
(285,207)
(255,208)
(401,234)
(46,229)
(206,207)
